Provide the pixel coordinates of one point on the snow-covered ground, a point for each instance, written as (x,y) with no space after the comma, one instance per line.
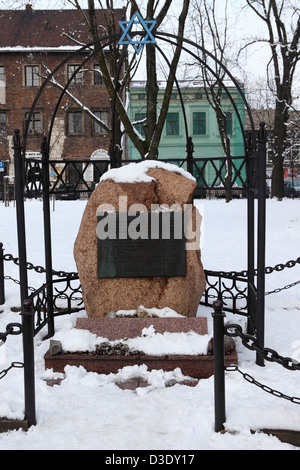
(89,411)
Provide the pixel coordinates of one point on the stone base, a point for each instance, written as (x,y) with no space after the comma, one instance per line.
(199,367)
(124,327)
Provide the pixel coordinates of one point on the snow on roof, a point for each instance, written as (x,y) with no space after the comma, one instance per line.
(31,28)
(189,84)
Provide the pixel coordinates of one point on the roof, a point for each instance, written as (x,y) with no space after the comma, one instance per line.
(45,29)
(187,85)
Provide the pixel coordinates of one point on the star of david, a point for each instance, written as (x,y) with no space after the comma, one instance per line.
(147,26)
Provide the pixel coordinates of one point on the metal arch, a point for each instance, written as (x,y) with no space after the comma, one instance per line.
(164,36)
(217,78)
(201,61)
(206,52)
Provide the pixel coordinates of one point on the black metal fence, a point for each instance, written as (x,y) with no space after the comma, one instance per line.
(47,177)
(43,178)
(70,177)
(220,330)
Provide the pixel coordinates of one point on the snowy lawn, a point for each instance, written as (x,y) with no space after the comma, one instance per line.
(89,411)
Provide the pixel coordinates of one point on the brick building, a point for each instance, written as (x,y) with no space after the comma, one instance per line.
(32,43)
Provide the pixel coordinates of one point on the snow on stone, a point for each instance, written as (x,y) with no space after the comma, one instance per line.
(137,172)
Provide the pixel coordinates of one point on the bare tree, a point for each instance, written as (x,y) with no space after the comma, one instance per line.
(282,21)
(147,146)
(213,36)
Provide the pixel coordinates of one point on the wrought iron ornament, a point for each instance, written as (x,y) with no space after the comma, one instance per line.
(147,25)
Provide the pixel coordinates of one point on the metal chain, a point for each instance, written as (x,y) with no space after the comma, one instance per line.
(265,388)
(268,270)
(275,291)
(11,329)
(17,365)
(16,281)
(279,289)
(40,269)
(268,354)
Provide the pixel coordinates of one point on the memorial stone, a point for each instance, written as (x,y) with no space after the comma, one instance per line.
(146,187)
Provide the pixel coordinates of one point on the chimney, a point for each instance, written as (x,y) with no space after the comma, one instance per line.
(28,7)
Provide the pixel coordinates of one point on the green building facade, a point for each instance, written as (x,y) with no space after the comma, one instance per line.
(201,124)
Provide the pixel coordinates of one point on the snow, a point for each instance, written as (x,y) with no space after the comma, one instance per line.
(150,342)
(137,172)
(157,344)
(89,411)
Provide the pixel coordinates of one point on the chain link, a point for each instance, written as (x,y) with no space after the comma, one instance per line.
(265,388)
(16,281)
(279,289)
(268,354)
(17,365)
(268,270)
(11,329)
(40,269)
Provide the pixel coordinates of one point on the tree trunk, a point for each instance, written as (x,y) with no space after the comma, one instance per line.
(151,92)
(280,134)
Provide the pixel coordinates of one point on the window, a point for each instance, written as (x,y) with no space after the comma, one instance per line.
(78,78)
(32,75)
(199,123)
(228,123)
(75,122)
(141,96)
(2,123)
(1,73)
(198,96)
(172,124)
(35,126)
(98,79)
(139,126)
(103,116)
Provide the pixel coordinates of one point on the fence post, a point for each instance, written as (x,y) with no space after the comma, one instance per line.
(47,233)
(2,290)
(19,185)
(190,152)
(250,231)
(261,239)
(28,352)
(219,365)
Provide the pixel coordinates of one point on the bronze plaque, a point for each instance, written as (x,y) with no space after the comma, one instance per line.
(148,244)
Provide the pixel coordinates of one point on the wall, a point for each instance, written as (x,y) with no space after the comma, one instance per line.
(206,145)
(19,98)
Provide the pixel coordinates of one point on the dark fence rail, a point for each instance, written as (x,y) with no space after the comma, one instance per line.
(228,288)
(72,177)
(66,299)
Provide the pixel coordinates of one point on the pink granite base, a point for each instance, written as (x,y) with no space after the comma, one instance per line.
(197,367)
(119,328)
